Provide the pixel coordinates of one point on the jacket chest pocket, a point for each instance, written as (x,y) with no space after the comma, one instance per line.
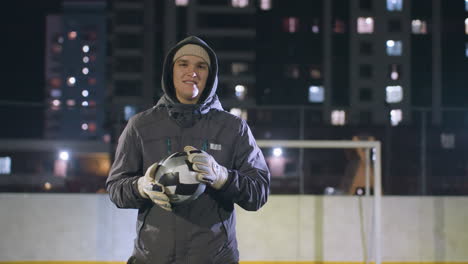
(221,152)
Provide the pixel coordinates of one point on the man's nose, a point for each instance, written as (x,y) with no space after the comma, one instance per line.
(193,74)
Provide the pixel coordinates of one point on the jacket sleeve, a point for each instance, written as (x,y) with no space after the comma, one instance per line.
(125,171)
(248,184)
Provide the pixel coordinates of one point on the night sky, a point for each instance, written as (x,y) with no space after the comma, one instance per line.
(22,67)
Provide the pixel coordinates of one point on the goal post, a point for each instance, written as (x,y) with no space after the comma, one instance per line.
(374,146)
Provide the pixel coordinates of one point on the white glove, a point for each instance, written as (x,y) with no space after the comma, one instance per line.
(209,171)
(150,189)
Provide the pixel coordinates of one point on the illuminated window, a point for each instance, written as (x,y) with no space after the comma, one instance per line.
(315,26)
(92,81)
(466,26)
(315,72)
(394,47)
(55,82)
(241,91)
(129,111)
(92,127)
(72,35)
(419,26)
(394,72)
(71,81)
(55,93)
(394,5)
(59,39)
(292,71)
(85,70)
(339,26)
(84,103)
(466,5)
(85,48)
(466,49)
(181,2)
(365,25)
(447,140)
(5,165)
(291,24)
(316,94)
(240,3)
(84,126)
(56,48)
(71,102)
(239,67)
(242,113)
(338,117)
(55,104)
(394,94)
(265,4)
(396,116)
(85,59)
(85,93)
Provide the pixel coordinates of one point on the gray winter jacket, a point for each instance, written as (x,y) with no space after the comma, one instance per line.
(203,231)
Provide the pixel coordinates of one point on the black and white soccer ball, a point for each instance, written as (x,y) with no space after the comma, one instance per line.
(175,173)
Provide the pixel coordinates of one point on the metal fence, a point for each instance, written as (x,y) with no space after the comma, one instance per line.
(418,158)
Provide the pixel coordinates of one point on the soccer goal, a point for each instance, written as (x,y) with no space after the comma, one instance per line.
(371,150)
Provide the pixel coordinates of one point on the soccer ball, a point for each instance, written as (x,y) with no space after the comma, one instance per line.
(175,173)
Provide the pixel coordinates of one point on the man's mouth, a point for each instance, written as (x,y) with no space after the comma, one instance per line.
(190,82)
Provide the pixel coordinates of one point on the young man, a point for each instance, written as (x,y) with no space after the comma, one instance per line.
(189,118)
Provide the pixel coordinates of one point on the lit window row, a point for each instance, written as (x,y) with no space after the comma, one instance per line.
(129,111)
(5,165)
(57,93)
(90,127)
(366,25)
(466,26)
(293,25)
(313,71)
(239,3)
(394,5)
(393,94)
(181,2)
(71,81)
(241,91)
(264,4)
(338,117)
(55,104)
(242,113)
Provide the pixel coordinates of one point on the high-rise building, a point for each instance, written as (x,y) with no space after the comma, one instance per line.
(364,61)
(75,71)
(132,65)
(142,32)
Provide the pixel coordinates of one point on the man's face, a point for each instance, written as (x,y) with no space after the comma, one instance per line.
(189,76)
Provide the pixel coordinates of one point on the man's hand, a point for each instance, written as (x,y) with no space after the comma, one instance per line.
(150,189)
(209,171)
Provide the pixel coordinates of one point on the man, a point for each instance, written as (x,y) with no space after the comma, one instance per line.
(189,118)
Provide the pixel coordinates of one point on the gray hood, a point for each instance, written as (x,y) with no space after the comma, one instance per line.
(186,115)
